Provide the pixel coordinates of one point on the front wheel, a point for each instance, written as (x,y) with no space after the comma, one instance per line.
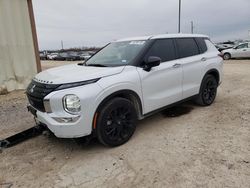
(116,122)
(208,91)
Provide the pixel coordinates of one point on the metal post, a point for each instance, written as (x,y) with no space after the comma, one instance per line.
(62,44)
(192,27)
(179,25)
(34,35)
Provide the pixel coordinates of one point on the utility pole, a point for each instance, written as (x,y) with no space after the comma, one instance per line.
(192,27)
(179,25)
(62,44)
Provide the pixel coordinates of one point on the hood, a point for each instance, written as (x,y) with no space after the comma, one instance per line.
(75,73)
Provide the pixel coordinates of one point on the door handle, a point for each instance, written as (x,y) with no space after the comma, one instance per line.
(203,59)
(177,65)
(244,50)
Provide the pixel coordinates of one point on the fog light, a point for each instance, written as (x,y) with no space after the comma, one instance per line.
(66,119)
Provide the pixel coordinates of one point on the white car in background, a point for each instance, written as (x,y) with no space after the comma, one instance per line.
(52,56)
(84,56)
(126,81)
(240,51)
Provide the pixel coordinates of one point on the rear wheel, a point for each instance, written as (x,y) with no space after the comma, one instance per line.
(226,56)
(208,91)
(116,122)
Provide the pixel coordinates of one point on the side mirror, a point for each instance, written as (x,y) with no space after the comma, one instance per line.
(152,61)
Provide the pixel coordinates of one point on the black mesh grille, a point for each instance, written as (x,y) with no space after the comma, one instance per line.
(36,93)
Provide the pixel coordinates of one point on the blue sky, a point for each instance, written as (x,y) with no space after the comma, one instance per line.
(97,22)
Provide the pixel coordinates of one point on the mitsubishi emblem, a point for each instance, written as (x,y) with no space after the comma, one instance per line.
(32,89)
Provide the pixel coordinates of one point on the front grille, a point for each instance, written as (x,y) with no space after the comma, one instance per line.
(37,91)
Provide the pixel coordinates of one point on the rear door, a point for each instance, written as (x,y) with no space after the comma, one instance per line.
(192,62)
(163,84)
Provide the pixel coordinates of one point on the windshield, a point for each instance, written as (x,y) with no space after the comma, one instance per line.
(117,54)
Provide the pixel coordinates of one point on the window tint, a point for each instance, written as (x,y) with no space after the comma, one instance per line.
(187,47)
(202,44)
(164,49)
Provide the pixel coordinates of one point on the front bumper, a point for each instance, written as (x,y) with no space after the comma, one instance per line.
(78,125)
(62,129)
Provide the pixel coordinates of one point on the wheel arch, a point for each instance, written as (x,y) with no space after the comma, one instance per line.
(213,72)
(127,94)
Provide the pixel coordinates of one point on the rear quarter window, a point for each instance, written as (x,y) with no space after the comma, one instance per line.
(187,47)
(201,44)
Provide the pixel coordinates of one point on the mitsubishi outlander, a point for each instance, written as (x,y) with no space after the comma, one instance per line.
(126,81)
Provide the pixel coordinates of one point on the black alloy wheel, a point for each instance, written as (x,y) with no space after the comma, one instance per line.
(208,91)
(116,122)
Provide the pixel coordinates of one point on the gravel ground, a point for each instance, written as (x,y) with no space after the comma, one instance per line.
(203,147)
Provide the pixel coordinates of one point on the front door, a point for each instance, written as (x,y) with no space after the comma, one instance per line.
(162,85)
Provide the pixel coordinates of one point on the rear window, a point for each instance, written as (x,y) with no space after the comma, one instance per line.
(187,47)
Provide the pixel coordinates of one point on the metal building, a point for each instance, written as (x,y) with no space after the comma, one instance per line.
(19,56)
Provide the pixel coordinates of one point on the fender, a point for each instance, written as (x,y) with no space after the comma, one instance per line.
(125,93)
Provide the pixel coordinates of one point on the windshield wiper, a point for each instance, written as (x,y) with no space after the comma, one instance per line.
(96,65)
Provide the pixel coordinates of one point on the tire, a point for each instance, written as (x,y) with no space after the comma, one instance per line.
(116,122)
(208,91)
(226,56)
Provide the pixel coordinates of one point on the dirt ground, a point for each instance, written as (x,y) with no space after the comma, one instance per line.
(204,147)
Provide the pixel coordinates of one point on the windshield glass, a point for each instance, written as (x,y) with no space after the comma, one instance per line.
(117,54)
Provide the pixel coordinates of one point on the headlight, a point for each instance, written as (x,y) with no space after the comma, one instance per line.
(72,104)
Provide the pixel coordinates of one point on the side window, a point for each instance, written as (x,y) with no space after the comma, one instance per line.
(202,44)
(242,46)
(187,47)
(164,49)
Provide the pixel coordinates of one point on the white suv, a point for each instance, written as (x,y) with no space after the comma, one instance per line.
(126,81)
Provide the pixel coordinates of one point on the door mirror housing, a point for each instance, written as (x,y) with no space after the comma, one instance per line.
(152,61)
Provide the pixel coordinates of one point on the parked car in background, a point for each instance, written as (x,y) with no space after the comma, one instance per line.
(240,51)
(92,53)
(84,55)
(43,56)
(61,57)
(73,56)
(126,81)
(67,56)
(52,56)
(222,47)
